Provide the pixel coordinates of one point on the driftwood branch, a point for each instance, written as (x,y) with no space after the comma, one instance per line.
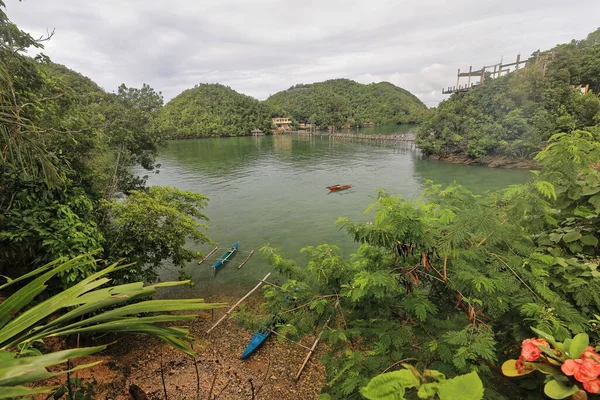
(238,303)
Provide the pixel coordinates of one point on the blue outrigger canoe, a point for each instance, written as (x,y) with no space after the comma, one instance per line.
(225,257)
(257,340)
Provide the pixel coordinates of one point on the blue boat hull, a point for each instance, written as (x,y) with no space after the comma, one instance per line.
(221,261)
(257,340)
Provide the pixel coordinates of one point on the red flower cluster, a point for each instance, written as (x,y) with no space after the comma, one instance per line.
(586,369)
(530,351)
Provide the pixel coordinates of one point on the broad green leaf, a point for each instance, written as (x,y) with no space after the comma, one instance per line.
(428,390)
(595,200)
(18,391)
(578,345)
(544,335)
(6,356)
(555,237)
(559,390)
(571,236)
(550,351)
(464,387)
(545,368)
(589,190)
(37,313)
(589,240)
(390,386)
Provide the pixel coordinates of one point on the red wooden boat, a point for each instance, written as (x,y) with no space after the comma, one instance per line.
(339,187)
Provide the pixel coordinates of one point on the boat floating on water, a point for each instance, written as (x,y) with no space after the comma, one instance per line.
(225,257)
(335,188)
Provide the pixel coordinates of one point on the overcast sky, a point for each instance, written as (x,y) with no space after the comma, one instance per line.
(259,47)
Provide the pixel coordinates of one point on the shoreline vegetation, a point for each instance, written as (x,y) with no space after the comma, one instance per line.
(511,117)
(443,290)
(214,110)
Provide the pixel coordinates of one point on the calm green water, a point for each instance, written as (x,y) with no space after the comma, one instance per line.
(272,189)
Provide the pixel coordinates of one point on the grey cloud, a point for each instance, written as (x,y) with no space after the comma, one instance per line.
(259,47)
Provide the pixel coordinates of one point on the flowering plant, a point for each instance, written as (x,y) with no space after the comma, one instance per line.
(569,366)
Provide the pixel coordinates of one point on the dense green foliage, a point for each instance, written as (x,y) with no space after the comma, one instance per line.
(340,101)
(514,115)
(430,384)
(152,226)
(80,309)
(210,110)
(66,151)
(453,280)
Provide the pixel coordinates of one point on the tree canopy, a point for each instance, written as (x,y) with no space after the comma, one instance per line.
(67,148)
(210,110)
(335,102)
(514,115)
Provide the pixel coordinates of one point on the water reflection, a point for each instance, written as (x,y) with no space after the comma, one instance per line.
(273,190)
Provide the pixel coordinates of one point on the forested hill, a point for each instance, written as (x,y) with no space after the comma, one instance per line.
(74,80)
(511,117)
(338,101)
(210,110)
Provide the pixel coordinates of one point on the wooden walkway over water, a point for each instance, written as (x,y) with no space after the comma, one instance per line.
(375,138)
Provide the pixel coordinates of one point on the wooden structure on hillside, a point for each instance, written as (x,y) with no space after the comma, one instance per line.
(498,70)
(282,123)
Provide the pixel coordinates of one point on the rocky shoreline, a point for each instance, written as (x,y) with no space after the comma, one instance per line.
(493,161)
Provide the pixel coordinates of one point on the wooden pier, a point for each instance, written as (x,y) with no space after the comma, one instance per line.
(302,133)
(375,138)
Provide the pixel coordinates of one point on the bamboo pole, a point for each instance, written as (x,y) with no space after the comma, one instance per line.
(290,340)
(246,260)
(314,346)
(208,255)
(312,349)
(238,303)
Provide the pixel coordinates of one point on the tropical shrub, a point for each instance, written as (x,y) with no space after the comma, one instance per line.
(429,384)
(151,227)
(88,306)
